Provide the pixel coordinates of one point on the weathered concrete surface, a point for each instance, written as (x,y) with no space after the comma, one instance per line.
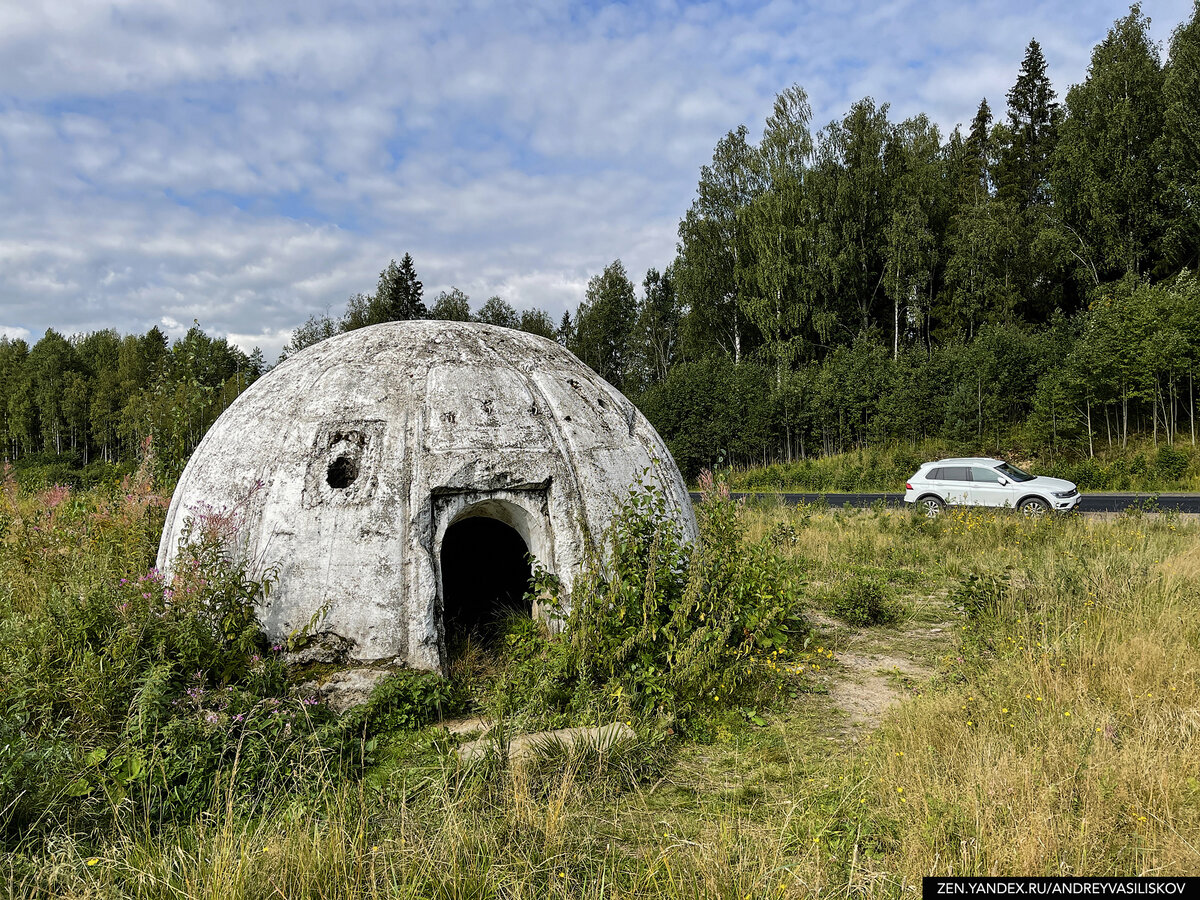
(342,690)
(324,648)
(343,467)
(525,747)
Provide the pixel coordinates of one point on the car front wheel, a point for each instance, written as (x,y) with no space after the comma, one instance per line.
(931,506)
(1034,508)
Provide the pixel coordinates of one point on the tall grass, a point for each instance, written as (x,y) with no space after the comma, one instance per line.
(1062,735)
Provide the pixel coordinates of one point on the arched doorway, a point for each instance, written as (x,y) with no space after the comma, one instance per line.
(485,574)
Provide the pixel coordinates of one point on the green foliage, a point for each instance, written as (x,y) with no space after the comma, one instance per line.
(603,323)
(1180,148)
(982,596)
(1105,171)
(451,306)
(1140,467)
(882,284)
(711,412)
(537,321)
(403,701)
(654,344)
(1170,463)
(498,311)
(72,409)
(711,240)
(1027,285)
(455,306)
(659,627)
(130,695)
(871,469)
(863,600)
(397,296)
(1091,627)
(1033,119)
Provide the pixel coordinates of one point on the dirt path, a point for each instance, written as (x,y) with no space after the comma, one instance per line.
(877,667)
(869,684)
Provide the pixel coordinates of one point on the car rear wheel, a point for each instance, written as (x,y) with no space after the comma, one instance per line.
(1033,508)
(931,506)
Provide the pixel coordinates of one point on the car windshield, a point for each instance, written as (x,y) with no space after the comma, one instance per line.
(1013,472)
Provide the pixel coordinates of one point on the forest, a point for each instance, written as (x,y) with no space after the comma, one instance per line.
(1027,281)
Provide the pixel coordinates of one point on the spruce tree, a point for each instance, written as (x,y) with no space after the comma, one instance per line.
(1033,117)
(398,296)
(566,330)
(979,145)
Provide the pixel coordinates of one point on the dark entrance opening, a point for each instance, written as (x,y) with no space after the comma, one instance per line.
(485,574)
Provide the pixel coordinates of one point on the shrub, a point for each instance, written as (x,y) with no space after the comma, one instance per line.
(983,597)
(403,701)
(863,600)
(128,695)
(659,626)
(1171,463)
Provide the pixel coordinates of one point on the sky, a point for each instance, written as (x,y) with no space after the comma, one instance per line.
(248,165)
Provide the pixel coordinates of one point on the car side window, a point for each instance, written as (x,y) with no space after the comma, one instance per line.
(934,475)
(956,473)
(989,476)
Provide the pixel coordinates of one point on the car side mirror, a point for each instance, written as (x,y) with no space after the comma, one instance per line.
(1003,481)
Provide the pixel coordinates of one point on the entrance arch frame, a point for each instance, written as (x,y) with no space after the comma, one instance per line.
(524,509)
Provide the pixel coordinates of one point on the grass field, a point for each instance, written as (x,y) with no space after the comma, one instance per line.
(978,694)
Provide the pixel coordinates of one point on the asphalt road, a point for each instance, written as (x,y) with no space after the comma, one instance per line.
(1091,503)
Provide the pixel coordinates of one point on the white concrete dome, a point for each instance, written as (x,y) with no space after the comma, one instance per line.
(347,464)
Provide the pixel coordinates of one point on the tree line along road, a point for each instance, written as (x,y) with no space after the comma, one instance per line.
(1091,503)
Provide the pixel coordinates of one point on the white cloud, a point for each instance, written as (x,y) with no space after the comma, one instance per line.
(171,160)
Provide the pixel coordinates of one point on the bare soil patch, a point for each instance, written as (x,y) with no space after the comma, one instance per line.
(869,684)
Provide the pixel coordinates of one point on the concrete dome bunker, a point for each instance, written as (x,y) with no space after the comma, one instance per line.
(346,466)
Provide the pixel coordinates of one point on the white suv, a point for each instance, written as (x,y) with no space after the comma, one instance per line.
(978,481)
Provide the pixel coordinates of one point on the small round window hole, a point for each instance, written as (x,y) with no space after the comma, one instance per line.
(342,472)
